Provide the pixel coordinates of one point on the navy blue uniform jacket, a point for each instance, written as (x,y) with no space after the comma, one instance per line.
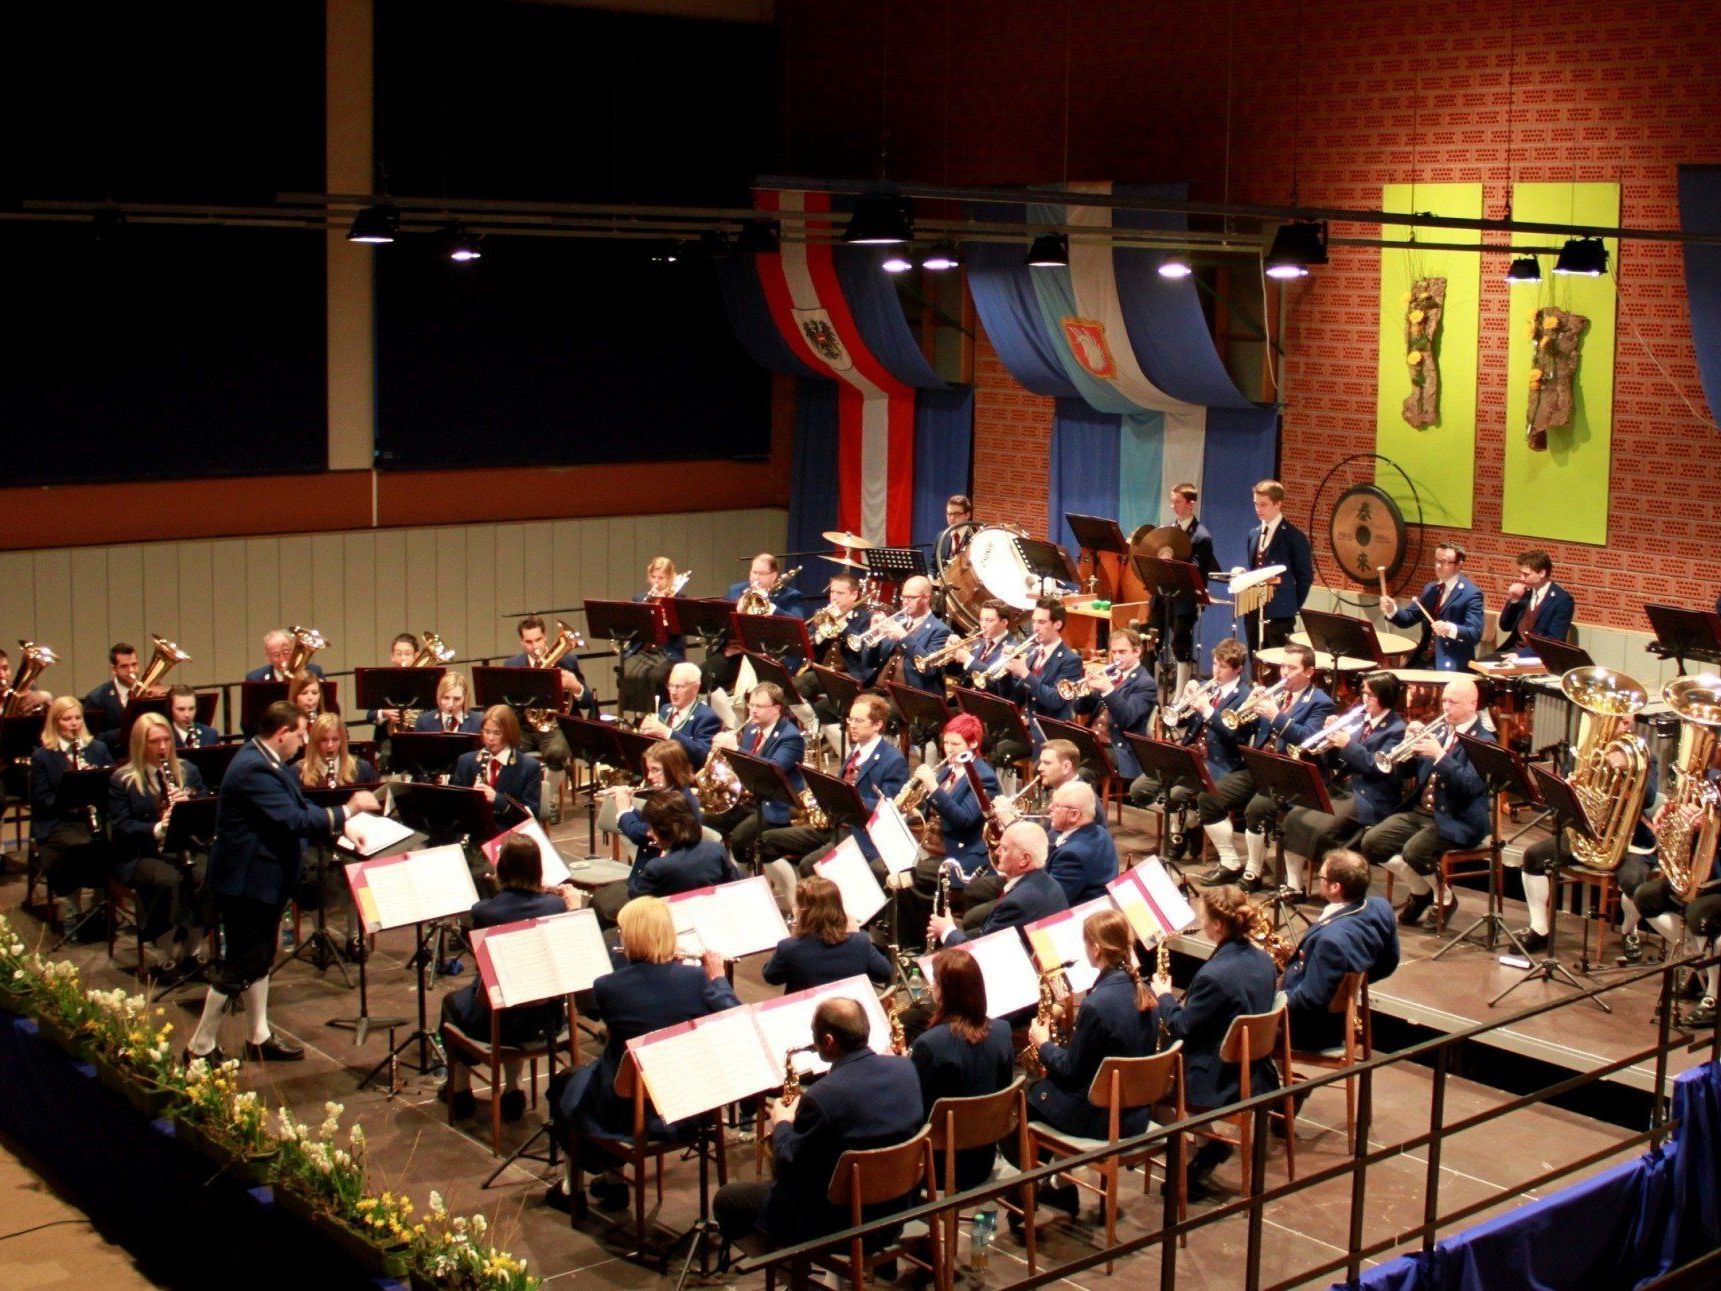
(1553,619)
(1461,800)
(1463,608)
(469,1007)
(1202,557)
(1085,863)
(930,634)
(703,865)
(261,827)
(632,826)
(950,1067)
(1130,705)
(206,736)
(1378,793)
(46,767)
(519,780)
(430,722)
(866,1100)
(800,963)
(1038,691)
(1299,717)
(964,822)
(105,699)
(267,672)
(694,735)
(587,702)
(787,601)
(132,816)
(1238,979)
(1361,937)
(784,745)
(1290,548)
(1108,1025)
(1035,895)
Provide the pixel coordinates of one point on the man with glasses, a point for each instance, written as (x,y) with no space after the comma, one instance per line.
(1354,934)
(1453,603)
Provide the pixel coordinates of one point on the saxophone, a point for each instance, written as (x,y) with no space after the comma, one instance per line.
(1049,1013)
(791,1077)
(1264,935)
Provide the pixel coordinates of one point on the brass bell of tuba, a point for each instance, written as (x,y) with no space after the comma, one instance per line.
(306,642)
(33,661)
(1610,765)
(1685,843)
(167,656)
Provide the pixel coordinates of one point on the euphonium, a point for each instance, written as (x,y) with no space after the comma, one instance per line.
(1405,749)
(945,653)
(1350,724)
(1232,718)
(1610,765)
(543,720)
(754,601)
(432,654)
(166,656)
(1690,826)
(33,661)
(306,642)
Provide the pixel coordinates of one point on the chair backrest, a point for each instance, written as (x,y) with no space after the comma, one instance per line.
(1136,1082)
(1350,987)
(867,1176)
(978,1121)
(1252,1036)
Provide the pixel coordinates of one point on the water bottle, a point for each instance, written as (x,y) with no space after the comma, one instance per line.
(980,1237)
(287,938)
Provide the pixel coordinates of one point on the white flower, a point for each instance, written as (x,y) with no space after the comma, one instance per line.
(437,1209)
(480,1225)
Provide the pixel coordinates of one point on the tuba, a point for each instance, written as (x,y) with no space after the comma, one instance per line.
(33,661)
(1685,843)
(306,642)
(1612,795)
(166,657)
(543,720)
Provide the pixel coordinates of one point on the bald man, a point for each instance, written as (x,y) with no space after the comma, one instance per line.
(684,719)
(915,631)
(1083,858)
(1450,808)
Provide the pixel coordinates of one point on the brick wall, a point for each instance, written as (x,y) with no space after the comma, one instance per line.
(974,92)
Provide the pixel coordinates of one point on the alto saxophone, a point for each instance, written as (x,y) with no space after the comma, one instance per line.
(1264,935)
(1049,1014)
(792,1077)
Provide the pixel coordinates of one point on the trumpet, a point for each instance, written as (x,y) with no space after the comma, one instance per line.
(1068,689)
(1405,749)
(1232,718)
(873,635)
(675,588)
(946,653)
(996,670)
(1319,742)
(1182,708)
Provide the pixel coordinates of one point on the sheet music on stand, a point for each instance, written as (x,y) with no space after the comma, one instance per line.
(554,865)
(367,833)
(1151,902)
(847,867)
(734,919)
(890,834)
(540,959)
(1058,938)
(1012,982)
(695,1067)
(414,887)
(787,1022)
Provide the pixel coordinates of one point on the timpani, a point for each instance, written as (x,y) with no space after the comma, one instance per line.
(1344,688)
(1423,688)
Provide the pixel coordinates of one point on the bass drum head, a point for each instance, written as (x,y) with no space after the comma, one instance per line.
(988,568)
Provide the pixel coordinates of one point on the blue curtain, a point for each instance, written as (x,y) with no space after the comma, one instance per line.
(1009,309)
(943,455)
(1700,212)
(813,480)
(1085,467)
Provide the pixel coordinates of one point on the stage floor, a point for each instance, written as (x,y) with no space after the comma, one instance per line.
(416,1150)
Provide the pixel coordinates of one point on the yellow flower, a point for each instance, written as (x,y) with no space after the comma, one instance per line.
(1551,319)
(1548,339)
(1535,374)
(1416,315)
(1413,358)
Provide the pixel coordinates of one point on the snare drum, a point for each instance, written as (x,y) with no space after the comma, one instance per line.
(989,568)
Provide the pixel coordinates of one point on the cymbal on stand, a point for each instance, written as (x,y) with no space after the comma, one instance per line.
(853,541)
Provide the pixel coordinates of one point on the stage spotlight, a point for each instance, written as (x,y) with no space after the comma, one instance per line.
(897,262)
(880,220)
(1524,269)
(1050,251)
(459,245)
(376,225)
(1295,248)
(1585,257)
(943,255)
(1175,267)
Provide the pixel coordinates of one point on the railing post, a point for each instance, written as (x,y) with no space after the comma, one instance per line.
(1170,1193)
(1359,1175)
(1663,1026)
(1436,1120)
(1257,1184)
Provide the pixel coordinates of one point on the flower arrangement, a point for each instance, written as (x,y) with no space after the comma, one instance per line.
(454,1251)
(1424,304)
(212,1101)
(128,1032)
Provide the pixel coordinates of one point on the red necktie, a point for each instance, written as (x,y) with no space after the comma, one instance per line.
(1440,601)
(1529,623)
(849,767)
(1040,659)
(448,722)
(752,741)
(495,771)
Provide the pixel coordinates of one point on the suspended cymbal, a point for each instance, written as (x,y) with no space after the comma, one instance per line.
(853,541)
(1168,542)
(844,560)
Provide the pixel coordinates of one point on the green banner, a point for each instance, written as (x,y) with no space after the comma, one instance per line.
(1561,492)
(1425,392)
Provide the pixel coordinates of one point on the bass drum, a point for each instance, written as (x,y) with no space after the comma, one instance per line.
(990,567)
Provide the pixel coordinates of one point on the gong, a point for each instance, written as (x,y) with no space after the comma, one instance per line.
(1368,532)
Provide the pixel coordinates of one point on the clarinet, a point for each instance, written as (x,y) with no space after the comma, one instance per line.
(331,773)
(76,757)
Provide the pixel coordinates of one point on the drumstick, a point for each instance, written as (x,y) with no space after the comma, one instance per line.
(1381,570)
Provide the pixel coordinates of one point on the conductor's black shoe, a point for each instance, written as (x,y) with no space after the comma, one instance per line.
(556,1199)
(175,973)
(274,1049)
(513,1104)
(1219,876)
(1415,905)
(214,1057)
(1533,942)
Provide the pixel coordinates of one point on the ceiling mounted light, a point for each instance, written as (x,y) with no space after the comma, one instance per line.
(1050,251)
(880,220)
(376,225)
(1175,267)
(759,237)
(897,262)
(1295,248)
(1586,257)
(942,256)
(1524,269)
(459,245)
(665,253)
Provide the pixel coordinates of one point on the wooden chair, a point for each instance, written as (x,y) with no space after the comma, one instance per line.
(1253,1036)
(1350,1000)
(123,908)
(638,1150)
(1121,1085)
(871,1177)
(1462,863)
(491,1054)
(985,1119)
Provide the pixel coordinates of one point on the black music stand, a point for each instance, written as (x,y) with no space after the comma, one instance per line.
(1503,772)
(1289,782)
(706,619)
(1095,534)
(399,688)
(444,813)
(1559,657)
(592,742)
(1169,580)
(1049,566)
(634,747)
(212,760)
(254,697)
(629,625)
(1682,634)
(1001,718)
(764,782)
(320,949)
(767,668)
(519,688)
(361,1025)
(895,564)
(1568,812)
(1175,766)
(1093,753)
(1342,636)
(190,829)
(841,688)
(775,636)
(429,755)
(838,799)
(920,710)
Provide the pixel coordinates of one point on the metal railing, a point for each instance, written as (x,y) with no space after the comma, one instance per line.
(1436,1053)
